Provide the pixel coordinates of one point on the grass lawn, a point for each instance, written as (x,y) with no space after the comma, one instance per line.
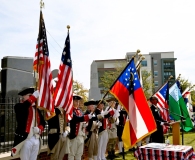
(189,140)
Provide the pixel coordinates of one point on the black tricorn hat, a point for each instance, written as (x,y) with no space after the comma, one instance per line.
(91,102)
(100,102)
(26,91)
(76,97)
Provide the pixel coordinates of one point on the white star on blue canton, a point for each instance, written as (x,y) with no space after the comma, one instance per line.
(68,60)
(64,53)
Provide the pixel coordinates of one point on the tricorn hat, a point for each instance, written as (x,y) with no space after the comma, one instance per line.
(100,102)
(91,102)
(76,97)
(26,91)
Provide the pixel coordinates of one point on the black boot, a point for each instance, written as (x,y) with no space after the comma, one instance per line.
(109,155)
(113,154)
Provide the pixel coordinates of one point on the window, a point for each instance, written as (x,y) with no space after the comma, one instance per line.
(155,73)
(144,63)
(156,83)
(155,62)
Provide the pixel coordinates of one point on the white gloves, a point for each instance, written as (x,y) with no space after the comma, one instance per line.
(116,114)
(36,130)
(65,134)
(90,115)
(117,121)
(36,94)
(102,114)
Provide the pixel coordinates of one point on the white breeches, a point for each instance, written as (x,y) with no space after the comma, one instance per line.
(76,148)
(102,144)
(30,149)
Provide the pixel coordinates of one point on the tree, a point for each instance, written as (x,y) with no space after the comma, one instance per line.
(186,84)
(79,89)
(147,83)
(109,78)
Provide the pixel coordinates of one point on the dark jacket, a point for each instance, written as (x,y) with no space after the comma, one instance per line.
(22,113)
(53,123)
(158,135)
(75,122)
(122,119)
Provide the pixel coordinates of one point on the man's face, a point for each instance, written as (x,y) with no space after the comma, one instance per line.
(76,103)
(90,108)
(101,106)
(154,101)
(25,97)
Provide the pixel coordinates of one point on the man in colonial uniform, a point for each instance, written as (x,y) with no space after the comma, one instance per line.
(112,129)
(122,120)
(58,130)
(77,133)
(30,124)
(103,134)
(91,142)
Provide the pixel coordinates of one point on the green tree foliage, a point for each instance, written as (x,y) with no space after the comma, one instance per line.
(79,89)
(109,78)
(148,86)
(186,84)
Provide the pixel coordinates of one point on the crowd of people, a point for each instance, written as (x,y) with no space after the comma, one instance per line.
(98,130)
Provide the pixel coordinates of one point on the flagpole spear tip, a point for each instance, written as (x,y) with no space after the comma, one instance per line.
(68,27)
(170,77)
(42,4)
(138,51)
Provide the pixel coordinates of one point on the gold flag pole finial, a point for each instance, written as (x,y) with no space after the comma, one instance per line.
(68,27)
(170,77)
(178,78)
(42,4)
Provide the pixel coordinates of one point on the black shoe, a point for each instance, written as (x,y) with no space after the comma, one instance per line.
(113,154)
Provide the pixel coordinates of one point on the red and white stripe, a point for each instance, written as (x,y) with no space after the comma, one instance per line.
(64,93)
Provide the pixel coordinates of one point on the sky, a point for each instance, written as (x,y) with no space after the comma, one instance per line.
(101,29)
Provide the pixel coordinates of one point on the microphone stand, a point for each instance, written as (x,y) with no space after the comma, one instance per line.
(182,118)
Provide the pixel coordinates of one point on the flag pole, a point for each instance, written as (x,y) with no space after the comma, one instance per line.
(163,84)
(37,67)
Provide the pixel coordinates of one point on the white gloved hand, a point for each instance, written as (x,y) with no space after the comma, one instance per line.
(117,121)
(102,114)
(116,114)
(90,115)
(65,134)
(36,94)
(106,112)
(36,130)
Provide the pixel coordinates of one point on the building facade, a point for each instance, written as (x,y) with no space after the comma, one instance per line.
(160,64)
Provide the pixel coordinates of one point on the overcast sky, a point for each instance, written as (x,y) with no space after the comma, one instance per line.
(101,29)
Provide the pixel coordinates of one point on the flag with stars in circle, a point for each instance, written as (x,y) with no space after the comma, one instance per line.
(127,89)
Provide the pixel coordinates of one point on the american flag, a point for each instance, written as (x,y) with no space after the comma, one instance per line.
(63,94)
(42,66)
(163,97)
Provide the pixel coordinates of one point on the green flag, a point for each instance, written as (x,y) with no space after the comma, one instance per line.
(178,106)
